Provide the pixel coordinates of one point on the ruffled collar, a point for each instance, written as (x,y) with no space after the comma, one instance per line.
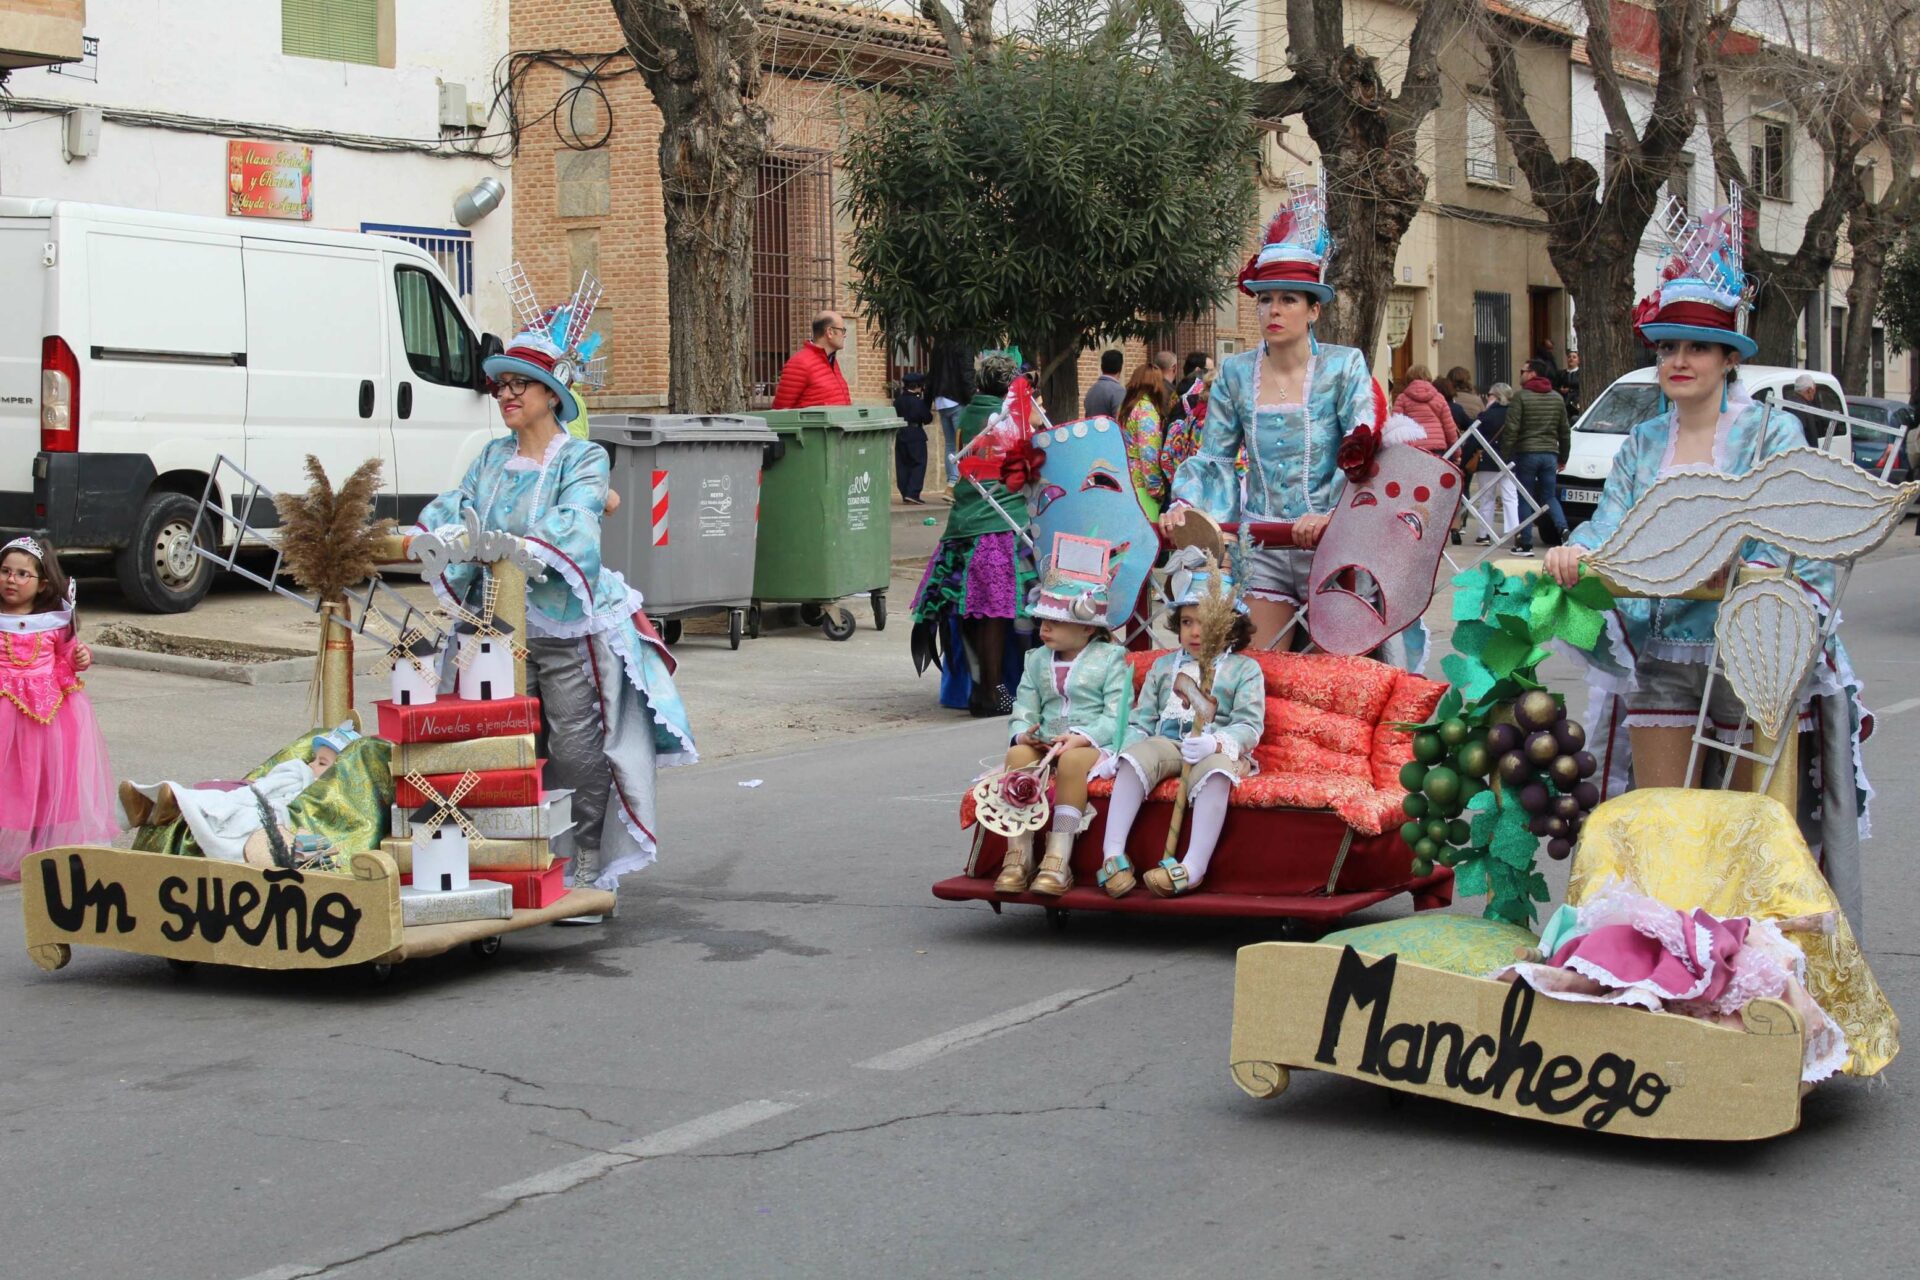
(26,624)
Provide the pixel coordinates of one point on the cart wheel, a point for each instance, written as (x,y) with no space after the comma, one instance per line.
(1292,929)
(736,627)
(879,600)
(486,946)
(753,622)
(181,968)
(379,973)
(670,631)
(838,625)
(1057,919)
(51,955)
(813,615)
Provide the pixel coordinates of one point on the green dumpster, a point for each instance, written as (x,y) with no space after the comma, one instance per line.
(824,502)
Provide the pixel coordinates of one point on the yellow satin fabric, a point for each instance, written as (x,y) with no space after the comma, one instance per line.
(1736,854)
(351,806)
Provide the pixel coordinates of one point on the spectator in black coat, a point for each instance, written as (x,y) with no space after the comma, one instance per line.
(910,446)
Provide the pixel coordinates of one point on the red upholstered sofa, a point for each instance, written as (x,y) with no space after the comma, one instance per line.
(1313,835)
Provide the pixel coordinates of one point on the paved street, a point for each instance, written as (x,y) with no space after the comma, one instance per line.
(786,1058)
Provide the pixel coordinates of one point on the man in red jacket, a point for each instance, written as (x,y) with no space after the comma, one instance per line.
(812,376)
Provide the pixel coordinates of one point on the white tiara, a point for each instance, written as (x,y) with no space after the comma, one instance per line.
(27,545)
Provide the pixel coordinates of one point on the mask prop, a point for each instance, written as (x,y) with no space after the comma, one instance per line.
(1086,494)
(1392,526)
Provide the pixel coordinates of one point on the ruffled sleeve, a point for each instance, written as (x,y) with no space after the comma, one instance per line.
(1207,481)
(1622,489)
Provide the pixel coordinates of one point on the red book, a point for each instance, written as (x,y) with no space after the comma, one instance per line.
(458,719)
(531,888)
(497,789)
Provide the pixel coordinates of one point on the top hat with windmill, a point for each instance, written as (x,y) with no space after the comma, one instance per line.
(442,835)
(489,655)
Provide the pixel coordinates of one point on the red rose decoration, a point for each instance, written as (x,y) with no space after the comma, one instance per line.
(1247,273)
(1020,789)
(1646,310)
(1356,453)
(1020,466)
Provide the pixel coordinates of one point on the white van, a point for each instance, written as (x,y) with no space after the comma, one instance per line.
(1635,397)
(135,347)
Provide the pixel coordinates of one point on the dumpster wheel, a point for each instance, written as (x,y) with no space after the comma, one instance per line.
(838,624)
(670,631)
(879,601)
(812,615)
(753,622)
(736,625)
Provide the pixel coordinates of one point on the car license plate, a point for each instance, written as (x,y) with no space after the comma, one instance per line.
(1591,496)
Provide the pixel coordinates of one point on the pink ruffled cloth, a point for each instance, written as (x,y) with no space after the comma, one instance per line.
(1622,947)
(55,785)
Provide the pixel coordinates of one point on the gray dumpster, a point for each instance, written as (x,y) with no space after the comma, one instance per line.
(689,516)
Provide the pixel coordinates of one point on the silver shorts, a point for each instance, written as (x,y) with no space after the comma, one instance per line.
(1279,573)
(1668,697)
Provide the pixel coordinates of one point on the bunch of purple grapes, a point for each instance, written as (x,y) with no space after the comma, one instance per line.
(1542,763)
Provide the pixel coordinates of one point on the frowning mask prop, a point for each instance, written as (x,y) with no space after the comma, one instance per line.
(1392,527)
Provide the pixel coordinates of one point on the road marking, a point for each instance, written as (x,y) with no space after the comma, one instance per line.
(922,1051)
(1898,707)
(288,1271)
(681,1137)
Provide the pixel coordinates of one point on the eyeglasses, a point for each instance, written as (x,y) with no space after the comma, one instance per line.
(512,386)
(836,328)
(18,575)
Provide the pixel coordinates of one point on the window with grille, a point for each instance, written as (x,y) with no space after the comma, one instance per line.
(451,248)
(1769,161)
(792,260)
(1492,338)
(337,30)
(1483,146)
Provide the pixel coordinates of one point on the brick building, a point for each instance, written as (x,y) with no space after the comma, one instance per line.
(587,186)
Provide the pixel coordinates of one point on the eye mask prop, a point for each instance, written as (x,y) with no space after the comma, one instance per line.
(1392,526)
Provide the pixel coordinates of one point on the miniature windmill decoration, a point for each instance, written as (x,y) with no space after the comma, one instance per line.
(414,641)
(489,655)
(1703,289)
(415,662)
(556,338)
(442,835)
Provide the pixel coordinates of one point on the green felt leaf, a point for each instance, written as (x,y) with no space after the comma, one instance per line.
(1470,877)
(1471,588)
(1471,637)
(1537,884)
(1512,842)
(1469,677)
(1502,654)
(1450,704)
(1592,593)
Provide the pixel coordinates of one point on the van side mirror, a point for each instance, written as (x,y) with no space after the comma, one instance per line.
(490,346)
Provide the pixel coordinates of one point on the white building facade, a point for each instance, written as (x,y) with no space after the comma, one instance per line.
(373,114)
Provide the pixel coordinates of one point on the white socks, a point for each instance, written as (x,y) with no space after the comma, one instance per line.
(1066,819)
(1122,808)
(1207,815)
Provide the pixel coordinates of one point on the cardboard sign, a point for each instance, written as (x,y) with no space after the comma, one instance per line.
(206,910)
(1502,1047)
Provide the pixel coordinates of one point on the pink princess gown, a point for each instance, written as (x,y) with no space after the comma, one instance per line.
(55,787)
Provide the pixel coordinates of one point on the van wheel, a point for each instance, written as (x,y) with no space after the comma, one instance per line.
(158,569)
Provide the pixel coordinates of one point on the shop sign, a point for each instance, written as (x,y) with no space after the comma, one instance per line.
(269,180)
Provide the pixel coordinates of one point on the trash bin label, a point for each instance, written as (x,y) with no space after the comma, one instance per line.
(716,506)
(659,508)
(859,501)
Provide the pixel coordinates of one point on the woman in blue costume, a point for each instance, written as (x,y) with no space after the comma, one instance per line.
(1289,404)
(1649,671)
(604,678)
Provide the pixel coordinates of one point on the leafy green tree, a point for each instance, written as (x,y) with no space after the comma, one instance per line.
(1900,294)
(1085,181)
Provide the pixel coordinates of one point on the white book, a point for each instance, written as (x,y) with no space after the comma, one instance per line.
(543,821)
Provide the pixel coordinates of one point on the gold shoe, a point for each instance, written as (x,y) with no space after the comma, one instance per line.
(1168,880)
(165,808)
(136,806)
(1055,876)
(1018,867)
(1116,877)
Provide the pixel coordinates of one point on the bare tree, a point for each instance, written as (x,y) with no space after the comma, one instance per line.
(1368,143)
(1594,227)
(701,63)
(1826,99)
(1879,38)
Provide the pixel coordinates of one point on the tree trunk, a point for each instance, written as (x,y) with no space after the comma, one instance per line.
(1601,285)
(702,68)
(1872,237)
(1060,386)
(1782,300)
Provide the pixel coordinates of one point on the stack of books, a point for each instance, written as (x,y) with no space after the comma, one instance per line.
(515,821)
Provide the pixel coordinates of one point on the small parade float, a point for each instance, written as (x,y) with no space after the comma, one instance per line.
(321,872)
(1703,972)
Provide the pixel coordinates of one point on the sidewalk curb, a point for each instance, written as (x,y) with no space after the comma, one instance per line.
(278,671)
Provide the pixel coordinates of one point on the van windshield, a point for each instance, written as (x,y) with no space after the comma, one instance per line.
(1624,406)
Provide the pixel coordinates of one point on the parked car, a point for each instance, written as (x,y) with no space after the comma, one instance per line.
(136,346)
(1871,449)
(1635,397)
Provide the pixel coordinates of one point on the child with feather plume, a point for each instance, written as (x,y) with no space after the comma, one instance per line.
(1201,710)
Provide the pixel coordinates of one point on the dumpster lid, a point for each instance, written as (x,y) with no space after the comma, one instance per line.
(834,417)
(645,429)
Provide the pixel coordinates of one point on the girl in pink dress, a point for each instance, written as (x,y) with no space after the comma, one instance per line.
(55,787)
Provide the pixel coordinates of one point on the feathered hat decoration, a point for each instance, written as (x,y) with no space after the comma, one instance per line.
(1703,287)
(1296,247)
(553,346)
